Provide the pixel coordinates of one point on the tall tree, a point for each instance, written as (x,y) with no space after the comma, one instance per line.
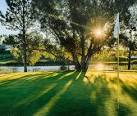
(80,26)
(132,40)
(19,16)
(128,36)
(129,39)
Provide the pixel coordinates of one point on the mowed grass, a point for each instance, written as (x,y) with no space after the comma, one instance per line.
(67,94)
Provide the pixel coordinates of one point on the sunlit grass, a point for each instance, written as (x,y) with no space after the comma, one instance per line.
(67,94)
(118,86)
(44,111)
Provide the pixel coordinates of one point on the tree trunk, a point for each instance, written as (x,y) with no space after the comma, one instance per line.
(76,62)
(24,50)
(87,63)
(129,59)
(25,60)
(77,67)
(24,39)
(84,66)
(86,60)
(83,50)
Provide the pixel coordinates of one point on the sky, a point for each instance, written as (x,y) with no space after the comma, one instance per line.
(3,30)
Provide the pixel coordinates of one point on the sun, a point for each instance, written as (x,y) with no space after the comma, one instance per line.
(98,33)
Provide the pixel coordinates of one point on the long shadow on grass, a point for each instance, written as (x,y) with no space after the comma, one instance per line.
(127,101)
(9,81)
(82,99)
(130,93)
(96,99)
(130,90)
(124,110)
(64,94)
(15,91)
(37,92)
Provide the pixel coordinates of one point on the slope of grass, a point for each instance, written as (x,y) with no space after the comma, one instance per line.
(66,94)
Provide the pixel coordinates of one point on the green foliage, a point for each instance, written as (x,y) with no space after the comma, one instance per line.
(34,57)
(16,53)
(34,52)
(35,46)
(19,17)
(6,55)
(110,55)
(104,55)
(14,16)
(126,40)
(11,40)
(55,51)
(49,55)
(72,22)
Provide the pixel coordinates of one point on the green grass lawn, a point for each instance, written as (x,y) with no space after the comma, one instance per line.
(66,94)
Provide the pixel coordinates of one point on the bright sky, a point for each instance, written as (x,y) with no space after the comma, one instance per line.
(3,29)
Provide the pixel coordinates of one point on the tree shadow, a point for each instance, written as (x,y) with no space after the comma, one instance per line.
(34,92)
(82,99)
(14,91)
(62,94)
(11,79)
(130,90)
(124,110)
(127,100)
